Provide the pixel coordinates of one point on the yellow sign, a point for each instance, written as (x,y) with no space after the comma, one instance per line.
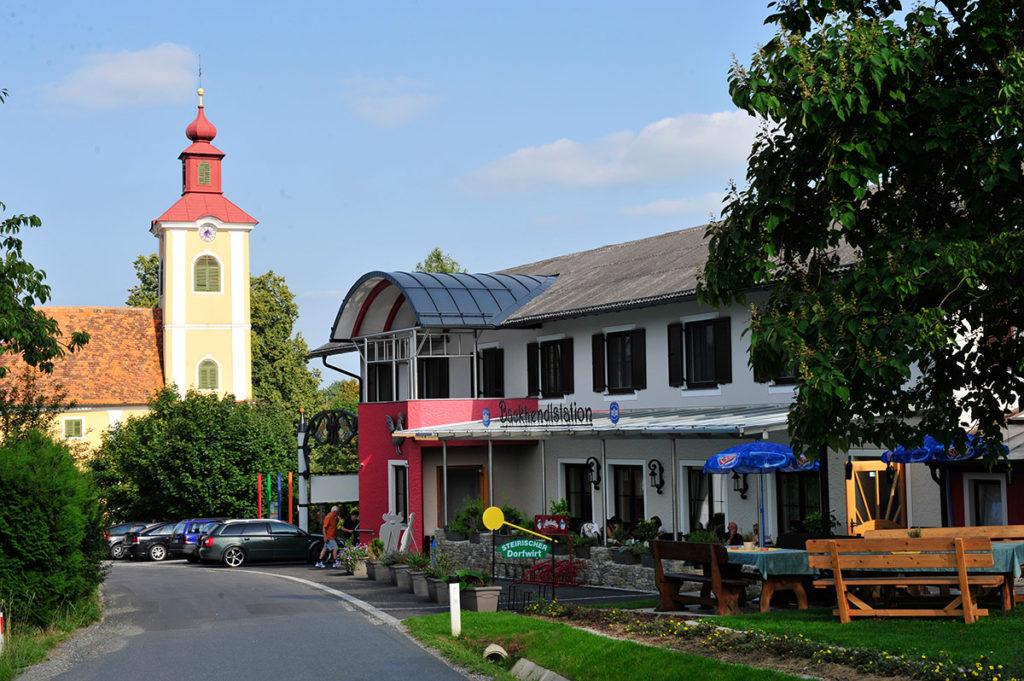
(494,518)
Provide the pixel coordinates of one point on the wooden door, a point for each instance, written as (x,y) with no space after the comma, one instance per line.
(876,497)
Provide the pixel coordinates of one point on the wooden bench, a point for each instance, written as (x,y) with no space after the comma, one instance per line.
(722,587)
(993,532)
(861,563)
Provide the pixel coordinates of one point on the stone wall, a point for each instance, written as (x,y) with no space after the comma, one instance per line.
(598,570)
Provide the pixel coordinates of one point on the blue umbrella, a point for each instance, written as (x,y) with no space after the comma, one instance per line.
(752,457)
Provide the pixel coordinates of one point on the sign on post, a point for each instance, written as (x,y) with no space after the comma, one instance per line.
(551,524)
(524,548)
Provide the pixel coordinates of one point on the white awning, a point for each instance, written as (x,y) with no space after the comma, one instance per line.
(695,422)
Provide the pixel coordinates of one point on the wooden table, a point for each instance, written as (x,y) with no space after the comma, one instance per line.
(780,570)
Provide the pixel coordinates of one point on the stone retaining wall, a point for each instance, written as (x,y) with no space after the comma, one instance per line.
(598,570)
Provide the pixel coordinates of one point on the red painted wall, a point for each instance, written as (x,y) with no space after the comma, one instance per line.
(376,449)
(1014,496)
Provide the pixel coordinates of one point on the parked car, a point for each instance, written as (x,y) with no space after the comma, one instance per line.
(235,542)
(183,538)
(151,542)
(115,535)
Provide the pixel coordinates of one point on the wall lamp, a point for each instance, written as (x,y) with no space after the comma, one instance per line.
(739,484)
(594,472)
(849,468)
(657,473)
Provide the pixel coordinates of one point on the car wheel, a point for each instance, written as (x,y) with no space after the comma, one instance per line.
(192,558)
(157,552)
(117,551)
(314,552)
(234,557)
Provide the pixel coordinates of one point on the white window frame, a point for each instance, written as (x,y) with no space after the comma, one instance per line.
(970,478)
(64,427)
(192,274)
(392,465)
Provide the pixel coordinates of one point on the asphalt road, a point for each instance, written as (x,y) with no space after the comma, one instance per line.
(173,620)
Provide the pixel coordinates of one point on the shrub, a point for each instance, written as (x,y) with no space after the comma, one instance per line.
(646,531)
(375,549)
(470,517)
(706,536)
(514,516)
(51,531)
(441,566)
(417,561)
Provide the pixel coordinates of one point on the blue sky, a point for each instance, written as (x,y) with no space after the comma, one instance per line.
(362,135)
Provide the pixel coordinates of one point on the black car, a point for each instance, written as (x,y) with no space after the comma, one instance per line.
(235,542)
(185,534)
(115,535)
(152,542)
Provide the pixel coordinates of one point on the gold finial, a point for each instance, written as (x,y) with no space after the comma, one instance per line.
(200,93)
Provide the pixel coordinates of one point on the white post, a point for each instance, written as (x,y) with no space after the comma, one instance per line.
(456,609)
(3,630)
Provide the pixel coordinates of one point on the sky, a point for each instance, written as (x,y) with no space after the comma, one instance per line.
(363,135)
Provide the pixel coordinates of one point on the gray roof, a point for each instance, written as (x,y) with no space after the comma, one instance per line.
(651,271)
(693,422)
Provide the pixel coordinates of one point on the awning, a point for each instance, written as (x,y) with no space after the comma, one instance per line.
(695,422)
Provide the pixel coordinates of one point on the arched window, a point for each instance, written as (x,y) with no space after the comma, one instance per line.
(207,274)
(208,375)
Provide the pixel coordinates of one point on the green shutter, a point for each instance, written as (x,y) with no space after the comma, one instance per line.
(204,173)
(72,428)
(207,274)
(208,375)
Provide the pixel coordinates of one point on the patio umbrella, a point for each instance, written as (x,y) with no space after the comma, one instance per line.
(752,457)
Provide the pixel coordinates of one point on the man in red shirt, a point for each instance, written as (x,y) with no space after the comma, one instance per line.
(330,538)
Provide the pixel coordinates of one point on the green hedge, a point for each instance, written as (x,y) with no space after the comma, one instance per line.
(51,530)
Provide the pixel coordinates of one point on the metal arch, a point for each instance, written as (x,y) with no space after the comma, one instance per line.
(331,427)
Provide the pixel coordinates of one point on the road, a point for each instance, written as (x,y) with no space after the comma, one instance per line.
(173,620)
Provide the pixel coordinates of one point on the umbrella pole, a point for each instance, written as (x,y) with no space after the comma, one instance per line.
(949,499)
(760,499)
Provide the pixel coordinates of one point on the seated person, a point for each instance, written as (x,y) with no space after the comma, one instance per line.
(613,530)
(733,536)
(662,530)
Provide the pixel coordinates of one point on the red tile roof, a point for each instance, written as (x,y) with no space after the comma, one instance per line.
(122,363)
(194,205)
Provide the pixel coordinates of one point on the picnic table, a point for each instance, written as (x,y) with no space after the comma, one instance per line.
(780,570)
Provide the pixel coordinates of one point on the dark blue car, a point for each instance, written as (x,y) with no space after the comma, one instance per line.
(186,534)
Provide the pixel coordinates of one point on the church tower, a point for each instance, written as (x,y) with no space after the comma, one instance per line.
(204,276)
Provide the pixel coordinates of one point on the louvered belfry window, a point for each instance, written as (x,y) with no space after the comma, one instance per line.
(207,274)
(203,174)
(208,379)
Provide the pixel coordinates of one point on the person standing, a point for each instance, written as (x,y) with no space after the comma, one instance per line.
(330,538)
(350,528)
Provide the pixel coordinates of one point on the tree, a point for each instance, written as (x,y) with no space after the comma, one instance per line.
(147,292)
(899,137)
(279,372)
(192,456)
(27,405)
(438,261)
(332,458)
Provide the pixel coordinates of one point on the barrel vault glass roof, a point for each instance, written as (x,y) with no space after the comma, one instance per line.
(462,300)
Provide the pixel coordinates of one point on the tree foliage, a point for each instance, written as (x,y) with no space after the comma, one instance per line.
(192,456)
(438,261)
(279,372)
(147,292)
(899,136)
(332,458)
(26,404)
(51,530)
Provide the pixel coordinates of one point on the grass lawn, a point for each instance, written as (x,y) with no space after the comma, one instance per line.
(27,645)
(571,652)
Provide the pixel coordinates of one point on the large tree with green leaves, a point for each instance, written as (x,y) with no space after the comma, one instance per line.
(439,261)
(192,456)
(899,136)
(147,292)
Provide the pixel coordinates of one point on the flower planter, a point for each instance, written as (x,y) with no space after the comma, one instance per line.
(647,560)
(474,538)
(403,579)
(359,569)
(419,583)
(480,598)
(581,551)
(376,571)
(560,549)
(395,570)
(623,558)
(438,589)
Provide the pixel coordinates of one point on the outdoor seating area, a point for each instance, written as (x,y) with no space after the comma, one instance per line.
(722,585)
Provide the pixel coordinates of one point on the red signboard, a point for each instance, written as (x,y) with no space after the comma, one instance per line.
(551,524)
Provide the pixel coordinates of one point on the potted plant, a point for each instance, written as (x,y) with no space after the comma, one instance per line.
(353,558)
(704,536)
(417,581)
(374,551)
(470,519)
(437,571)
(474,592)
(394,561)
(558,507)
(581,545)
(627,553)
(748,541)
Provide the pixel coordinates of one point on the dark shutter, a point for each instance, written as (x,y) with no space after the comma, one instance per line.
(675,355)
(688,352)
(723,351)
(638,343)
(497,372)
(566,367)
(597,359)
(532,369)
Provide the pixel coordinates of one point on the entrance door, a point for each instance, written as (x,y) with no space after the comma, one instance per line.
(465,483)
(876,497)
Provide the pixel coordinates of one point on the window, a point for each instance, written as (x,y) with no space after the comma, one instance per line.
(400,491)
(619,361)
(700,353)
(578,494)
(432,378)
(799,495)
(208,379)
(207,275)
(628,486)
(278,527)
(73,429)
(986,499)
(378,383)
(232,530)
(549,368)
(203,173)
(492,372)
(254,528)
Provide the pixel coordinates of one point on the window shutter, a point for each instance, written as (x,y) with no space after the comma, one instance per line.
(723,351)
(638,343)
(532,369)
(207,375)
(597,360)
(497,372)
(204,173)
(566,368)
(675,355)
(688,352)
